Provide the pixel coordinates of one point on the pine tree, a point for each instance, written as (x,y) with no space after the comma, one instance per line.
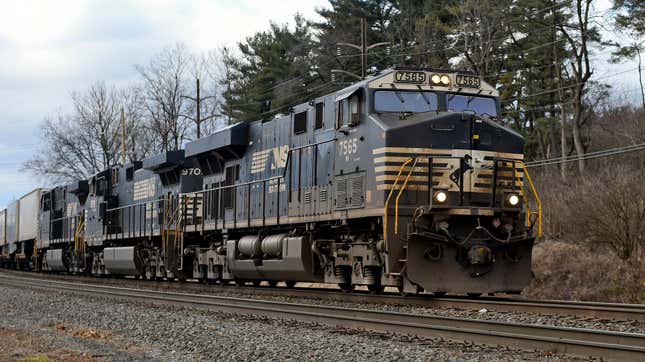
(272,71)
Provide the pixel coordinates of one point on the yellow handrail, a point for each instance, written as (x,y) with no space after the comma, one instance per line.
(78,240)
(398,197)
(387,201)
(536,196)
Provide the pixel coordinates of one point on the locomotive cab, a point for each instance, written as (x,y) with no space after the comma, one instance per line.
(452,182)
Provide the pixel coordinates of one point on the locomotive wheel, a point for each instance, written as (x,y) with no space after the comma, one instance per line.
(273,283)
(405,294)
(439,294)
(256,283)
(345,287)
(239,283)
(290,284)
(375,289)
(474,295)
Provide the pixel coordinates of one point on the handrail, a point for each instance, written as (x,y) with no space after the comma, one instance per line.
(387,201)
(77,235)
(535,195)
(398,197)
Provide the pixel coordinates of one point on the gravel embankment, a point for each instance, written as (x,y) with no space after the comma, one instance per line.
(511,317)
(67,326)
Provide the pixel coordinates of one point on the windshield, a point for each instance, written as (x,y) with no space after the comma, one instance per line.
(401,101)
(479,105)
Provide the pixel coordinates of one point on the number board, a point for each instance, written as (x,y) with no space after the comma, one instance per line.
(410,77)
(470,81)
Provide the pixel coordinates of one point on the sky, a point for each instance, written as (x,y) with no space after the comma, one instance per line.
(51,48)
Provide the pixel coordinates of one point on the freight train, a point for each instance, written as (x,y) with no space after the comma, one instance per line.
(406,179)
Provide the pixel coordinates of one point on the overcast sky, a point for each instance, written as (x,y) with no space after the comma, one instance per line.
(50,48)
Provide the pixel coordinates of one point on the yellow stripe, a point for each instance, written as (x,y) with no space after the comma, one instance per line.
(394,159)
(396,169)
(455,153)
(393,177)
(412,187)
(413,150)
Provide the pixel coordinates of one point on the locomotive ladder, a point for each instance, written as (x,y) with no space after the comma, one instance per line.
(79,236)
(79,241)
(405,164)
(172,235)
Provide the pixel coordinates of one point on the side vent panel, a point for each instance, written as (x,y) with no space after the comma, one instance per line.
(350,191)
(340,197)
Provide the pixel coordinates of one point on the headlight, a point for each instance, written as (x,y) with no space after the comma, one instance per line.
(436,78)
(440,196)
(513,200)
(445,80)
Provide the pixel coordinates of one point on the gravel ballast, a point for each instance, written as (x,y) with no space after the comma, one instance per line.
(79,327)
(629,326)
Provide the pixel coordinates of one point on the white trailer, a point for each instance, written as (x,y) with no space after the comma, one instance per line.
(3,228)
(29,213)
(13,211)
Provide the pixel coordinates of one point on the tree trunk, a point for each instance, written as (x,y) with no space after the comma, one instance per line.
(640,76)
(563,142)
(575,129)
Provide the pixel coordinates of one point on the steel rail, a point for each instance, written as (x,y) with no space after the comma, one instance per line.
(617,346)
(599,310)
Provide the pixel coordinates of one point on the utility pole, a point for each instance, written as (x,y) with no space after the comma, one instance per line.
(122,136)
(198,103)
(563,128)
(199,110)
(363,48)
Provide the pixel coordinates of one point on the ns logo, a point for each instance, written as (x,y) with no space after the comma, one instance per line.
(277,155)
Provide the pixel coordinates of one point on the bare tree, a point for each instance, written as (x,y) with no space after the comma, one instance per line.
(140,143)
(579,34)
(164,83)
(480,35)
(83,142)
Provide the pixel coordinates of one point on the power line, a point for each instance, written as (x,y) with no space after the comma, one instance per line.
(267,91)
(587,156)
(290,104)
(549,107)
(427,44)
(547,91)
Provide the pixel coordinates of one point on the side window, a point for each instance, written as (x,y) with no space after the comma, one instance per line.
(232,175)
(354,110)
(342,114)
(319,115)
(101,187)
(300,123)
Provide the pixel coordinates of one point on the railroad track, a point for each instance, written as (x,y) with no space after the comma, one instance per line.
(610,311)
(580,342)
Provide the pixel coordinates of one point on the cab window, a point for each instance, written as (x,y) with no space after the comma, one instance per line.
(405,101)
(476,104)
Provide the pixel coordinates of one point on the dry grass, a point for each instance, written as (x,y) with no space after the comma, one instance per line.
(594,225)
(574,272)
(86,333)
(27,346)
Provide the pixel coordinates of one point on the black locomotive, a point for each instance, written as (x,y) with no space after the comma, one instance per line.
(402,180)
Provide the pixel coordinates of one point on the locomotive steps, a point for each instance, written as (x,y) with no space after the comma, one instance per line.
(575,341)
